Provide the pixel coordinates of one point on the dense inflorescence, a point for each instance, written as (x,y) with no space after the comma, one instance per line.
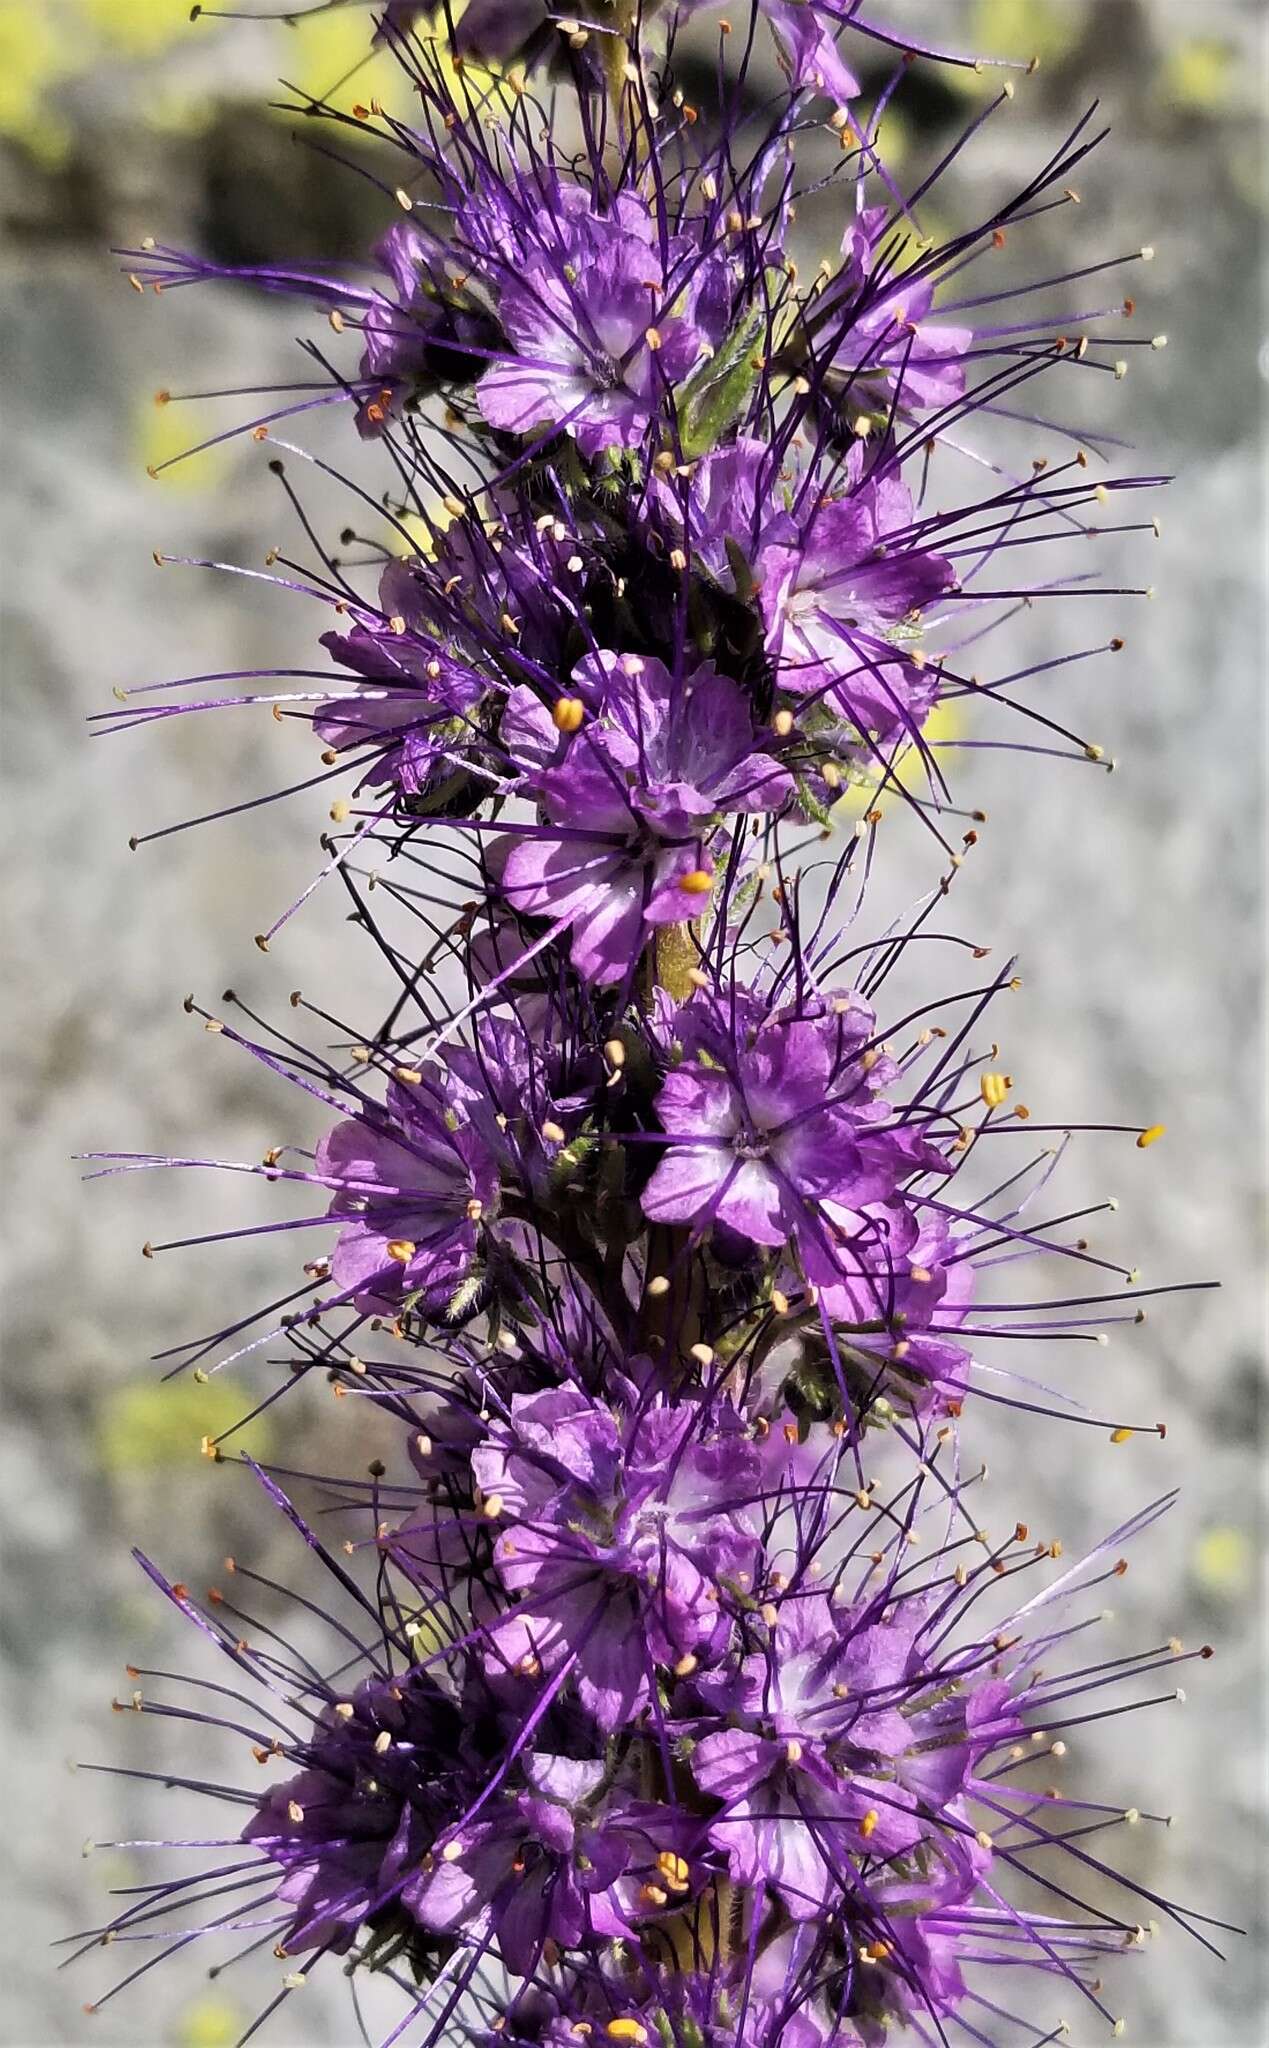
(686,1700)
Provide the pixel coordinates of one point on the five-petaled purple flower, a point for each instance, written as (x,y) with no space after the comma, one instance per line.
(841,598)
(411,1184)
(776,1130)
(838,1744)
(603,321)
(566,1859)
(351,1831)
(618,1539)
(633,804)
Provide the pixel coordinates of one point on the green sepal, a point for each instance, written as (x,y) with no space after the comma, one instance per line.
(716,394)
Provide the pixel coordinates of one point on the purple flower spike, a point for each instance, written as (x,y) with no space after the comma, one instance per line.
(677,1212)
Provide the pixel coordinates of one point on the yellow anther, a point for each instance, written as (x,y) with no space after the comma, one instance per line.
(401,1249)
(674,1870)
(868,1825)
(1150,1136)
(993,1088)
(1120,1436)
(698,882)
(626,2030)
(568,714)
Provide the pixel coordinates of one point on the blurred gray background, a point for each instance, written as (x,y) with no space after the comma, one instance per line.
(1134,901)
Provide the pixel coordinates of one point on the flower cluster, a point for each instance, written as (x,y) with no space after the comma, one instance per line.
(689,1702)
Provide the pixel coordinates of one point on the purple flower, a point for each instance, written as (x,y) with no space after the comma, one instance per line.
(497,28)
(435,329)
(603,321)
(632,805)
(412,714)
(804,32)
(515,1091)
(565,1860)
(845,1749)
(351,1830)
(924,1293)
(879,331)
(780,1135)
(731,510)
(415,1182)
(841,601)
(807,49)
(841,584)
(617,1541)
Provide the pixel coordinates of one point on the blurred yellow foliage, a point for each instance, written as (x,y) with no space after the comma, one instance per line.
(328,50)
(135,28)
(148,1425)
(1223,1562)
(944,723)
(1196,76)
(34,58)
(162,432)
(45,47)
(210,2023)
(1046,29)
